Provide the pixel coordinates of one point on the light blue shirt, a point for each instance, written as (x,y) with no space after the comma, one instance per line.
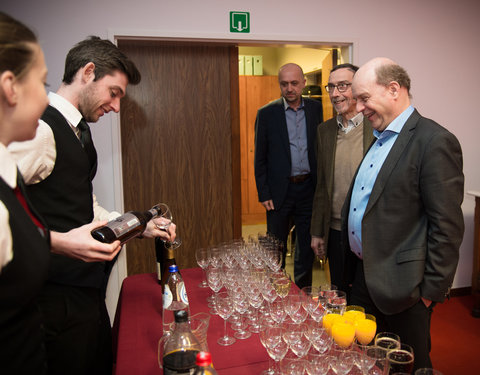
(367,175)
(297,135)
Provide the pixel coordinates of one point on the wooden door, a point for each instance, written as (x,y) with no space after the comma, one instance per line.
(254,92)
(179,130)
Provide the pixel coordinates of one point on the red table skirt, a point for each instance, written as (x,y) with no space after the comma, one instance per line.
(138,327)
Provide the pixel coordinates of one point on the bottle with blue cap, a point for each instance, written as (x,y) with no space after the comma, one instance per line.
(174,298)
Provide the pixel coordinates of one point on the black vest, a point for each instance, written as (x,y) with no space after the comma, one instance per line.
(65,200)
(21,338)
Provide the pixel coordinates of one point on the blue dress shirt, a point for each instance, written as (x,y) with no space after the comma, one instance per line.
(367,175)
(297,134)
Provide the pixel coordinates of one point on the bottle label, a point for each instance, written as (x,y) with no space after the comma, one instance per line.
(167,297)
(183,293)
(123,224)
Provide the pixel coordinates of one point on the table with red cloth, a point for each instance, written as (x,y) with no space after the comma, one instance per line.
(138,327)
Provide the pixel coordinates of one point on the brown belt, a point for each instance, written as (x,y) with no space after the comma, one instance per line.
(299,178)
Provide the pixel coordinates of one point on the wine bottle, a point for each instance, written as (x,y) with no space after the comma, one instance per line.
(204,364)
(181,348)
(165,258)
(125,227)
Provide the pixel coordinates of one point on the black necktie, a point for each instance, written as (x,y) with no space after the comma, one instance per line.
(87,143)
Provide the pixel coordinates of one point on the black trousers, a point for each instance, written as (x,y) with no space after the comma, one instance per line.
(78,333)
(297,206)
(335,258)
(412,324)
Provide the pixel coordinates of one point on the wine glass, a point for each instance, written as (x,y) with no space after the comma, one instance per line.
(241,305)
(276,347)
(342,362)
(215,282)
(364,362)
(399,360)
(166,214)
(201,255)
(224,307)
(266,323)
(365,329)
(343,332)
(312,302)
(335,301)
(427,371)
(379,354)
(317,363)
(282,286)
(277,310)
(292,366)
(353,313)
(320,339)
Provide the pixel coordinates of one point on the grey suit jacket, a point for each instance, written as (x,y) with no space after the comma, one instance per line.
(326,147)
(273,162)
(413,223)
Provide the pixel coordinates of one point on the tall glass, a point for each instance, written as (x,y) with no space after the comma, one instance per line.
(399,360)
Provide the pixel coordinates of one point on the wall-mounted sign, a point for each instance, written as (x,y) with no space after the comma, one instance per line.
(239,22)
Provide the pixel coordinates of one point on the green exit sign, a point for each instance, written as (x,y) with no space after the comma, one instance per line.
(239,22)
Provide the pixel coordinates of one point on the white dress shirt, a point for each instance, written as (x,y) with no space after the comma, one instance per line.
(36,158)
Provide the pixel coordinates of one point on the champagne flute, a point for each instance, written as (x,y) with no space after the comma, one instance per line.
(224,306)
(201,255)
(400,360)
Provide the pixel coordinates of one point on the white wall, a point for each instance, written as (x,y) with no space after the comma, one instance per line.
(437,41)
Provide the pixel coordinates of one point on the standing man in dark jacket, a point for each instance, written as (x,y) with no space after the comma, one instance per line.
(285,165)
(402,219)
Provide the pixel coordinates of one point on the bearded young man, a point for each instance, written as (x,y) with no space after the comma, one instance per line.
(59,165)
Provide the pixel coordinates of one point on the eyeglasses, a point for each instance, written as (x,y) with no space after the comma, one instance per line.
(341,87)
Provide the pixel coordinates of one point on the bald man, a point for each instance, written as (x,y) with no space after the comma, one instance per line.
(285,165)
(402,219)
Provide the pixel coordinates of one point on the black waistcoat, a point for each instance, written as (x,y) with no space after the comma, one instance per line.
(65,200)
(21,337)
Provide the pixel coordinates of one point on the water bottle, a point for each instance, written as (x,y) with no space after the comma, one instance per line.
(174,298)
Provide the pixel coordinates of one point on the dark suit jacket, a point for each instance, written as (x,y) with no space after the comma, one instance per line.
(326,147)
(273,163)
(413,223)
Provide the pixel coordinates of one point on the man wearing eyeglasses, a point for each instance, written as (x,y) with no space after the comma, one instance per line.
(341,143)
(285,165)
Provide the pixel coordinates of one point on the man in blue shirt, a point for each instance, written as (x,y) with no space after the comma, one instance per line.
(402,219)
(286,167)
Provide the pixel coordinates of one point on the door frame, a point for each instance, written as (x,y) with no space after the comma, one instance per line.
(119,272)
